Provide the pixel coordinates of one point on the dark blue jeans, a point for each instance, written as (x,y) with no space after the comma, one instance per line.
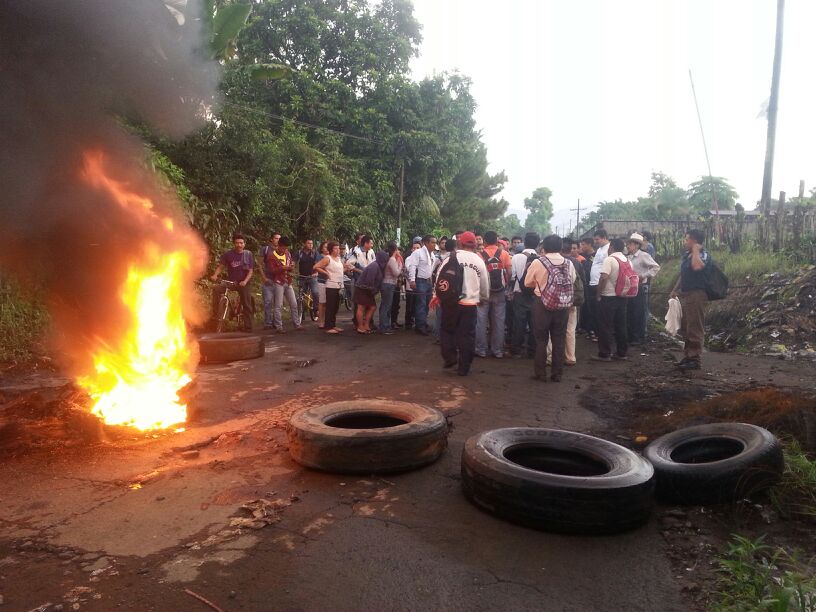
(423,297)
(523,324)
(386,302)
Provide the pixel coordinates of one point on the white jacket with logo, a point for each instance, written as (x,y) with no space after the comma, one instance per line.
(475,282)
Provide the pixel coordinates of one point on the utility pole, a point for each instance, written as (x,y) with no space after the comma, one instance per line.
(399,204)
(577,211)
(714,202)
(773,103)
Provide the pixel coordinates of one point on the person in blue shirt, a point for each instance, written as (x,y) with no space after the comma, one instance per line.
(691,290)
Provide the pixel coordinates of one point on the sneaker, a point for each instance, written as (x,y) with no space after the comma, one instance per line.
(691,364)
(570,363)
(267,327)
(555,378)
(299,328)
(449,364)
(620,358)
(499,356)
(600,358)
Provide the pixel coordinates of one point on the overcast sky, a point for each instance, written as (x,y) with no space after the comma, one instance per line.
(587,97)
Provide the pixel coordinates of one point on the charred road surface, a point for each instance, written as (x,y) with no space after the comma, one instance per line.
(145,522)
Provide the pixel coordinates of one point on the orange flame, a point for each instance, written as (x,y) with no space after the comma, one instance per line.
(137,377)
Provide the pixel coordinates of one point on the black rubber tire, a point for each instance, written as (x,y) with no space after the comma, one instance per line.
(758,465)
(233,346)
(615,501)
(420,440)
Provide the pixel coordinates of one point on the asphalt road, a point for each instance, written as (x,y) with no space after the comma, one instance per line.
(131,524)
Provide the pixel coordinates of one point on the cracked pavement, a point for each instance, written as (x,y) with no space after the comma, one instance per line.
(130,524)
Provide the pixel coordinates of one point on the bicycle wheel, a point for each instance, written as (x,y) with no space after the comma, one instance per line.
(223,312)
(312,308)
(300,304)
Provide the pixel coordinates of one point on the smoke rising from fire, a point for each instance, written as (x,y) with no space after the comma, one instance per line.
(70,71)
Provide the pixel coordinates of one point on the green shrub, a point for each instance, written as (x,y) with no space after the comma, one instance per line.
(755,576)
(22,323)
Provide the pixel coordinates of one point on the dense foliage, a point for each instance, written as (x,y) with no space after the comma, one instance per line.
(666,200)
(320,153)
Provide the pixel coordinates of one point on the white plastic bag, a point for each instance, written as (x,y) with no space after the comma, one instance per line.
(674,316)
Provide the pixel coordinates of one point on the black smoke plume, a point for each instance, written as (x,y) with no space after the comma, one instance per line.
(73,75)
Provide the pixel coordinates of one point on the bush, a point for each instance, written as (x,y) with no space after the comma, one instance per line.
(755,576)
(22,323)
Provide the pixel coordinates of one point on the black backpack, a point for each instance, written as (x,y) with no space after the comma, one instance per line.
(716,282)
(528,291)
(448,285)
(494,270)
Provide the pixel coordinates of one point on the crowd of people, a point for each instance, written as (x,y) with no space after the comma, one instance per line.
(491,297)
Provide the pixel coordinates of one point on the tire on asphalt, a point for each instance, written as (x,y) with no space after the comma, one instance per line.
(233,346)
(367,436)
(715,463)
(557,480)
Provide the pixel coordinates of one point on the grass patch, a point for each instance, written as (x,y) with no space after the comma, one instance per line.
(756,576)
(795,495)
(741,268)
(22,323)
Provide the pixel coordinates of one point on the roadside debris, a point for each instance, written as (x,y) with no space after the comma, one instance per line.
(262,512)
(203,600)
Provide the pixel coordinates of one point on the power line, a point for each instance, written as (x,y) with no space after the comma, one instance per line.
(304,123)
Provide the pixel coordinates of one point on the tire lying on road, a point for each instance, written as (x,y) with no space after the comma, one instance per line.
(221,348)
(367,436)
(557,480)
(715,463)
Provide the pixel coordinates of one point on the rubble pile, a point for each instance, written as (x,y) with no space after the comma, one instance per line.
(776,317)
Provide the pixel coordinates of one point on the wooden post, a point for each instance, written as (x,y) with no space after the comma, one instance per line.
(773,103)
(399,205)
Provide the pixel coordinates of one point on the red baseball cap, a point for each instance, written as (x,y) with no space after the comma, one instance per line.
(467,239)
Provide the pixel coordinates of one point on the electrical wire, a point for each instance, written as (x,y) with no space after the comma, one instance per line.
(304,123)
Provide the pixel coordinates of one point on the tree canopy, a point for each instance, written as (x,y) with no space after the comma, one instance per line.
(319,153)
(666,200)
(539,211)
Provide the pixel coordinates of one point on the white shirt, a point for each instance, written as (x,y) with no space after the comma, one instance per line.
(420,264)
(518,265)
(595,272)
(644,266)
(335,270)
(475,281)
(363,258)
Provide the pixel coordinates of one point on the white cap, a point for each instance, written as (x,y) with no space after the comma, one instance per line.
(636,238)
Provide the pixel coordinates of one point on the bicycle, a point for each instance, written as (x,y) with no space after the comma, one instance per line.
(305,300)
(345,293)
(230,308)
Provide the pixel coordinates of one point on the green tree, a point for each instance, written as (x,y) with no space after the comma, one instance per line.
(539,211)
(320,153)
(510,225)
(701,194)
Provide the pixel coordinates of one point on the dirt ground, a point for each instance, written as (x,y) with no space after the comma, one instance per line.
(134,522)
